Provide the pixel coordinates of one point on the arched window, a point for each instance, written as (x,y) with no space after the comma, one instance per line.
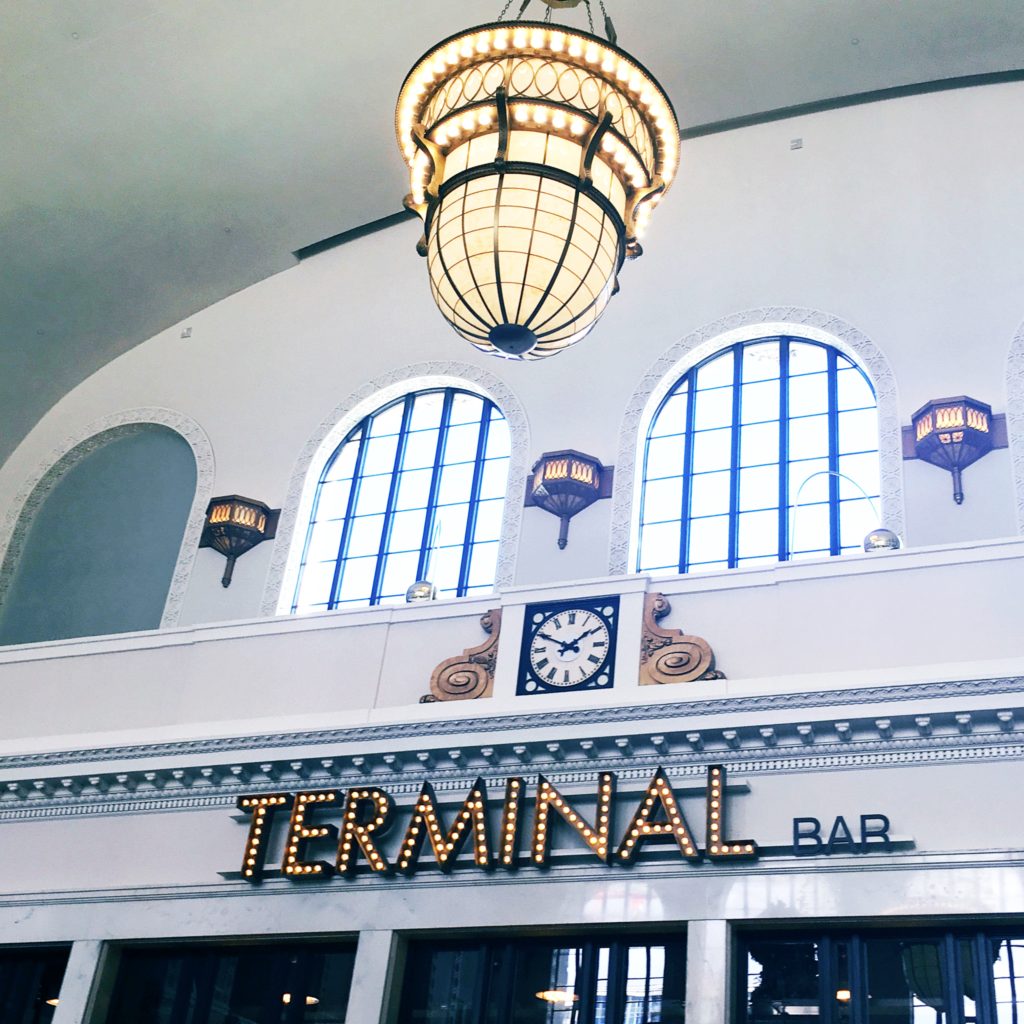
(766,451)
(415,491)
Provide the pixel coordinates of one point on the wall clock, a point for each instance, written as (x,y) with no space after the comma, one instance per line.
(568,645)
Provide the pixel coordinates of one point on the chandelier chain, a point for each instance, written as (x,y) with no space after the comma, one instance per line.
(609,29)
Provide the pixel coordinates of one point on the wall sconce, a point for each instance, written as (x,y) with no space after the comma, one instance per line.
(566,482)
(234,525)
(951,433)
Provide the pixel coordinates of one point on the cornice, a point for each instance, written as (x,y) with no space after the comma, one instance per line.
(828,743)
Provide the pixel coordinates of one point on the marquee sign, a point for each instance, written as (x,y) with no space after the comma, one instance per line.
(368,813)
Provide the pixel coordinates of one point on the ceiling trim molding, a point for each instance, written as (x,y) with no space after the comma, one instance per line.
(855,99)
(284,566)
(71,451)
(767,321)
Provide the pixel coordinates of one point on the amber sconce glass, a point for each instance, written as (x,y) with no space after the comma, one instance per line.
(235,525)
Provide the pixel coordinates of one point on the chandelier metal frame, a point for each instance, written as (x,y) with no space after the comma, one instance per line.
(512,109)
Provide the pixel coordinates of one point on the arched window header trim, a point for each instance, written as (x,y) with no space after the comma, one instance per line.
(702,344)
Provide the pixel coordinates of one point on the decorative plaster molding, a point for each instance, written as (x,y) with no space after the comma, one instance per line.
(748,325)
(470,675)
(593,719)
(1015,417)
(71,451)
(857,743)
(283,571)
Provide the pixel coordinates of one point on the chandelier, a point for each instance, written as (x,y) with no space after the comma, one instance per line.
(536,153)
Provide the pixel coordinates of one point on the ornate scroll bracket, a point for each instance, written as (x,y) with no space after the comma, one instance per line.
(471,674)
(670,655)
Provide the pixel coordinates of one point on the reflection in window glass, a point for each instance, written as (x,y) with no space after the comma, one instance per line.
(301,984)
(416,491)
(766,451)
(1008,978)
(30,982)
(541,981)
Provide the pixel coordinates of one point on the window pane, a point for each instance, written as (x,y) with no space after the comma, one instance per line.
(906,981)
(856,520)
(344,463)
(28,979)
(495,479)
(380,455)
(444,568)
(809,437)
(782,981)
(759,534)
(672,417)
(808,395)
(488,520)
(426,410)
(498,442)
(664,457)
(759,488)
(420,450)
(414,488)
(709,494)
(709,539)
(713,409)
(805,357)
(357,578)
(399,574)
(456,484)
(365,536)
(372,496)
(315,587)
(761,361)
(663,499)
(759,402)
(759,444)
(461,443)
(858,431)
(1008,978)
(387,422)
(407,531)
(484,564)
(808,481)
(333,500)
(716,373)
(863,469)
(659,545)
(450,524)
(854,391)
(809,528)
(466,409)
(325,541)
(712,450)
(297,984)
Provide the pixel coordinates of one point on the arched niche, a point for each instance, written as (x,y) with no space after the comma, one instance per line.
(690,350)
(102,538)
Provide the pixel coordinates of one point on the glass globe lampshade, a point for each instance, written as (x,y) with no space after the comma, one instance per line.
(536,154)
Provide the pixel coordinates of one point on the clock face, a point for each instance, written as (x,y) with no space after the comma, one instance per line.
(568,646)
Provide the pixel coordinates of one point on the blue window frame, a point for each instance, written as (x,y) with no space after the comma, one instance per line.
(415,491)
(766,451)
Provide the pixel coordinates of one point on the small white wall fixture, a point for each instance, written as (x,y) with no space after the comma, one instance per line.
(767,322)
(71,451)
(284,566)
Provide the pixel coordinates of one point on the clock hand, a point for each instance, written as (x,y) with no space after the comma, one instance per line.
(550,639)
(575,644)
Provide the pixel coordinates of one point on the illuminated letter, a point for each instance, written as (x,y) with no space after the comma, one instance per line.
(510,818)
(299,833)
(427,821)
(718,845)
(373,805)
(262,808)
(596,839)
(644,827)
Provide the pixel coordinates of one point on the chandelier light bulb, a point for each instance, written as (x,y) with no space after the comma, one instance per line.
(535,154)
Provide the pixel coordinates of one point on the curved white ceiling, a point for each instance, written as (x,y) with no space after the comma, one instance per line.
(158,156)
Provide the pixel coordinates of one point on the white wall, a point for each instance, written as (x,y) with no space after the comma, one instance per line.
(901,218)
